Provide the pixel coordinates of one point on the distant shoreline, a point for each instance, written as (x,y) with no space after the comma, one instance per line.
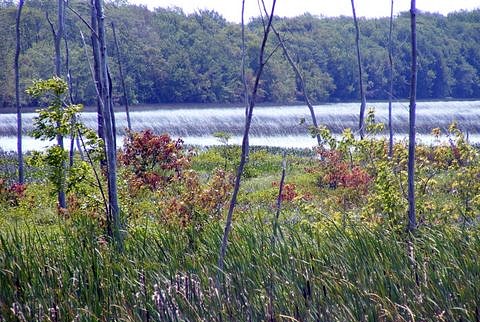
(164,106)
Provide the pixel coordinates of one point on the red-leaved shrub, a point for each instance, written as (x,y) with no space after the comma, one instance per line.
(153,159)
(12,193)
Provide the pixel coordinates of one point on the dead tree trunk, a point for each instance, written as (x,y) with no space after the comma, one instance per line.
(122,78)
(390,94)
(96,69)
(244,77)
(360,75)
(279,198)
(302,83)
(74,137)
(58,36)
(21,175)
(412,223)
(57,39)
(69,82)
(110,106)
(245,145)
(113,223)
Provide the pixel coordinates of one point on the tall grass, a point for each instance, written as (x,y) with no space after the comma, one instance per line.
(322,273)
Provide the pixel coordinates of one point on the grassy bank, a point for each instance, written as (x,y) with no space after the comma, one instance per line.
(341,253)
(321,273)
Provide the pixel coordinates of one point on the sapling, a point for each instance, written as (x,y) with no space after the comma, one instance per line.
(56,120)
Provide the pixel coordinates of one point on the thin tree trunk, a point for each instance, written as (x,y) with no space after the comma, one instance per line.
(302,83)
(97,176)
(114,208)
(122,78)
(244,77)
(245,148)
(246,97)
(58,36)
(279,198)
(74,138)
(390,94)
(363,105)
(110,106)
(412,223)
(57,39)
(21,175)
(62,202)
(96,69)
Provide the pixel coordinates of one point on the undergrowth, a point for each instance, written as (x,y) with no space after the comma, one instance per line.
(341,254)
(319,272)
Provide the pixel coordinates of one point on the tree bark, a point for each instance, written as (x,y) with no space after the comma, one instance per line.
(114,223)
(110,106)
(279,198)
(244,75)
(74,137)
(96,69)
(57,39)
(122,78)
(245,146)
(390,94)
(21,174)
(62,202)
(363,104)
(412,223)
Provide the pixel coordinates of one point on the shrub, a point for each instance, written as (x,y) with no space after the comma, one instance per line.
(13,193)
(154,160)
(289,191)
(186,202)
(338,173)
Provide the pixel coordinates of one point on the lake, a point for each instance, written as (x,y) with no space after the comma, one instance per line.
(271,126)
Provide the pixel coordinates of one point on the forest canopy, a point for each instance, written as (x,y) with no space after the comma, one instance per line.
(172,57)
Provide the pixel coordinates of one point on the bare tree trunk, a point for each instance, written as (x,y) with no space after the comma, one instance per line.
(62,202)
(96,69)
(69,82)
(114,223)
(74,137)
(245,147)
(122,78)
(58,36)
(112,111)
(57,39)
(390,94)
(246,95)
(279,198)
(244,77)
(360,75)
(302,83)
(89,158)
(412,223)
(21,175)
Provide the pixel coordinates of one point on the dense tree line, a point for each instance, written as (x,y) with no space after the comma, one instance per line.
(171,57)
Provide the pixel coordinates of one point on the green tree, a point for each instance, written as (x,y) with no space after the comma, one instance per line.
(54,120)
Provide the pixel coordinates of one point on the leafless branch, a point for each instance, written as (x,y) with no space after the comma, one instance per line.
(302,82)
(245,150)
(83,20)
(51,24)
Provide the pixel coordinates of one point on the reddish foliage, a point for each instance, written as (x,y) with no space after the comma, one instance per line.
(18,190)
(13,193)
(154,159)
(289,192)
(194,203)
(338,173)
